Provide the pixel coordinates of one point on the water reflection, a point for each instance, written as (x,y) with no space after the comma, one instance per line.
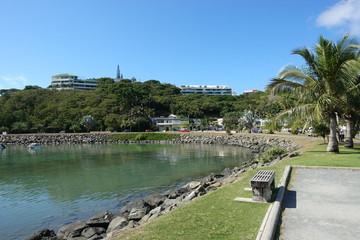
(56,184)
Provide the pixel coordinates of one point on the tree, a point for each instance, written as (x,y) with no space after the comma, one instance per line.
(249,120)
(321,129)
(231,119)
(351,109)
(19,127)
(88,122)
(31,87)
(322,83)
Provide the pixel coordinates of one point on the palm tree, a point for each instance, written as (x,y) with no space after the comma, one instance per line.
(322,84)
(249,120)
(351,108)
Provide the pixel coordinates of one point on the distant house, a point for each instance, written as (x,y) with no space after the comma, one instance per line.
(209,90)
(250,91)
(171,123)
(70,81)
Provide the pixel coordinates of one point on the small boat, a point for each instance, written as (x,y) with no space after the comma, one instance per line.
(2,146)
(34,145)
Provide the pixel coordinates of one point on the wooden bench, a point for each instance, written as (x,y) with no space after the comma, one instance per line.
(263,185)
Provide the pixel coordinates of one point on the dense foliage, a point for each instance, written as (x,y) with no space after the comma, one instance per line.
(143,136)
(127,105)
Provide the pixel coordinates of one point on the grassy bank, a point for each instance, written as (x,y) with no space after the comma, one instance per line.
(143,136)
(217,216)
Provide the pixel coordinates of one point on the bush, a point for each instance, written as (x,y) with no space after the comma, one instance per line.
(4,129)
(142,136)
(270,154)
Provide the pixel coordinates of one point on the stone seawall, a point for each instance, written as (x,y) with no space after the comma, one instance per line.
(53,138)
(257,143)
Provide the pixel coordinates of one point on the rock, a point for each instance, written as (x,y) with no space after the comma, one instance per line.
(139,206)
(44,234)
(228,180)
(93,232)
(155,200)
(189,197)
(138,213)
(200,191)
(210,188)
(226,172)
(194,185)
(101,219)
(72,230)
(172,202)
(152,214)
(117,224)
(171,194)
(132,224)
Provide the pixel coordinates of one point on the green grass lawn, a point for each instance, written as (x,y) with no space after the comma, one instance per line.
(217,216)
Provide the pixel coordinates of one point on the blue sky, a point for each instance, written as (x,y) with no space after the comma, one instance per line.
(240,43)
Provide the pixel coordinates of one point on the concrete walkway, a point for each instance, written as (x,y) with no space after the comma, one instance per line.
(322,204)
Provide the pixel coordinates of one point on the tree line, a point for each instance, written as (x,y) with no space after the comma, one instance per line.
(117,106)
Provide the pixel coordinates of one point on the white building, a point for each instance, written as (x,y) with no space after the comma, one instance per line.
(70,81)
(250,91)
(210,90)
(171,123)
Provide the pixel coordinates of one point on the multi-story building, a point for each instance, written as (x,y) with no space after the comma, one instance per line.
(171,123)
(210,90)
(70,81)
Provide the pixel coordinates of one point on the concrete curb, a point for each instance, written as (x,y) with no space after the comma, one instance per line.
(271,219)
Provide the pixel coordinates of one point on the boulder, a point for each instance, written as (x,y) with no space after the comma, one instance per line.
(200,191)
(44,234)
(152,214)
(136,208)
(102,219)
(117,224)
(72,230)
(93,232)
(171,194)
(226,172)
(137,213)
(189,197)
(172,202)
(154,200)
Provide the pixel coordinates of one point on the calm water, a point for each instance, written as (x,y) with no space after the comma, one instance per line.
(57,185)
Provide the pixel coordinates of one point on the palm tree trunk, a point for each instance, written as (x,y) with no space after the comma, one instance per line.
(333,145)
(348,137)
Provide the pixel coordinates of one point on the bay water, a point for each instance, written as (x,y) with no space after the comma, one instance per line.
(56,185)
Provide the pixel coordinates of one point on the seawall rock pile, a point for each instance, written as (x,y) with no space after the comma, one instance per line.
(258,143)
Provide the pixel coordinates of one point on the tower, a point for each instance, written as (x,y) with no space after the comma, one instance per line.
(118,72)
(119,76)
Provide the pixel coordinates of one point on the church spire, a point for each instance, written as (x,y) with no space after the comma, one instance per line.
(118,72)
(119,76)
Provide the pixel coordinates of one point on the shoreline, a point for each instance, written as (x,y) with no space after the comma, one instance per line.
(140,211)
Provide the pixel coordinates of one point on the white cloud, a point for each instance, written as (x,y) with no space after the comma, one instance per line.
(8,81)
(344,15)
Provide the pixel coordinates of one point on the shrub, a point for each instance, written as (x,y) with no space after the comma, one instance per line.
(142,136)
(270,154)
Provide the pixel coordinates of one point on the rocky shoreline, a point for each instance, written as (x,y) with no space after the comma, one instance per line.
(106,224)
(258,143)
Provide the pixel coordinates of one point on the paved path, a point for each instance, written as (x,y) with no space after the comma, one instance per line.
(322,204)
